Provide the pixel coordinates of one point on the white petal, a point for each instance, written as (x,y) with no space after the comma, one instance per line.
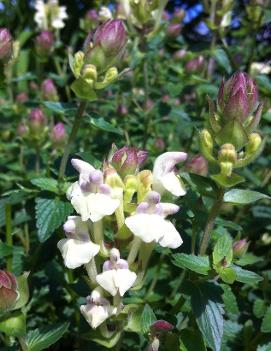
(75,225)
(172,184)
(95,315)
(107,281)
(171,237)
(124,280)
(169,208)
(82,166)
(76,253)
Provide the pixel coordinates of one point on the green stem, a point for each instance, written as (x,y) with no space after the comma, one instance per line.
(23,344)
(37,164)
(211,221)
(194,236)
(92,270)
(8,234)
(135,245)
(75,128)
(146,97)
(156,277)
(120,215)
(98,235)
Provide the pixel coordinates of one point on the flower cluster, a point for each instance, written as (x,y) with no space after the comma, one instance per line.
(50,15)
(126,201)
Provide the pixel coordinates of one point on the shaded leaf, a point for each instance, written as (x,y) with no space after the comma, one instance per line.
(199,264)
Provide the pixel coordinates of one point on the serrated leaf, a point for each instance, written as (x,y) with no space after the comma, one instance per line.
(147,318)
(62,108)
(48,184)
(266,323)
(102,124)
(248,259)
(50,214)
(207,306)
(240,196)
(223,250)
(199,264)
(229,299)
(259,308)
(41,339)
(245,276)
(191,340)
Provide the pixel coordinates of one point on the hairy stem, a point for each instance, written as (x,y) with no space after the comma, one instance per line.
(72,136)
(8,234)
(210,222)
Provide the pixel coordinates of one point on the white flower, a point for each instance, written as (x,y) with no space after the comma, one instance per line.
(77,249)
(150,225)
(97,309)
(116,276)
(105,13)
(50,15)
(90,197)
(260,68)
(164,177)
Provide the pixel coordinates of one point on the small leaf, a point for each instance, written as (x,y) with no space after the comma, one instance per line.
(41,339)
(8,250)
(223,250)
(266,323)
(248,259)
(229,299)
(240,196)
(13,324)
(23,291)
(228,182)
(199,264)
(50,214)
(48,184)
(101,124)
(62,108)
(191,340)
(228,275)
(265,347)
(259,308)
(247,277)
(222,59)
(147,318)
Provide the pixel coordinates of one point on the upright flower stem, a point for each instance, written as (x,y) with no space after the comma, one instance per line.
(210,222)
(135,245)
(72,136)
(8,234)
(92,270)
(99,236)
(146,97)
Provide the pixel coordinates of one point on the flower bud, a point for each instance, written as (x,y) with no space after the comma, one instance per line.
(240,248)
(58,135)
(178,15)
(44,43)
(127,160)
(198,165)
(227,153)
(36,121)
(22,130)
(22,98)
(89,73)
(48,90)
(8,290)
(254,142)
(159,144)
(237,98)
(174,30)
(111,36)
(5,45)
(179,54)
(122,110)
(162,325)
(195,65)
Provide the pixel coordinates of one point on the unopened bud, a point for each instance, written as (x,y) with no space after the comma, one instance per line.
(36,121)
(159,144)
(44,44)
(122,110)
(8,290)
(240,248)
(179,54)
(162,325)
(227,153)
(127,160)
(89,73)
(58,135)
(198,165)
(48,90)
(5,45)
(22,130)
(78,63)
(195,65)
(254,142)
(22,98)
(174,30)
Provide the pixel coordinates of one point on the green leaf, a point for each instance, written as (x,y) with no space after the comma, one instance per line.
(228,275)
(247,277)
(147,318)
(8,250)
(229,299)
(259,308)
(228,182)
(198,264)
(41,339)
(222,59)
(240,196)
(266,323)
(223,250)
(207,306)
(101,124)
(50,214)
(48,184)
(191,340)
(61,108)
(134,321)
(13,324)
(265,347)
(23,291)
(86,156)
(248,259)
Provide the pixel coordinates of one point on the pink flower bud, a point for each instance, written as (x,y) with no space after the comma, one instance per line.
(159,144)
(237,98)
(122,110)
(58,135)
(198,165)
(8,290)
(179,54)
(127,160)
(173,30)
(111,36)
(5,44)
(165,15)
(195,65)
(162,325)
(22,130)
(48,90)
(92,15)
(178,15)
(44,43)
(37,120)
(240,247)
(22,97)
(34,86)
(166,98)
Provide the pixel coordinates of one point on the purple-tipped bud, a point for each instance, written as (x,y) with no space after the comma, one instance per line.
(179,54)
(240,247)
(237,98)
(8,290)
(198,165)
(162,325)
(48,90)
(122,110)
(37,120)
(127,160)
(195,65)
(44,43)
(92,15)
(22,130)
(22,97)
(5,44)
(159,144)
(111,36)
(58,135)
(173,30)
